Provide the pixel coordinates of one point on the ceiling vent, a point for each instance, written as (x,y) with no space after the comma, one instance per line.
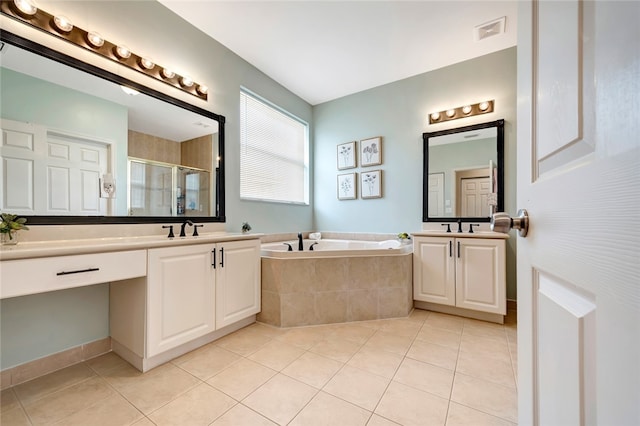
(489,29)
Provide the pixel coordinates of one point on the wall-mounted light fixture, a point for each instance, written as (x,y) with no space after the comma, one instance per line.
(27,12)
(461,112)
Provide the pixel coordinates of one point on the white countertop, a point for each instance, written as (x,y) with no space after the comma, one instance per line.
(453,234)
(34,249)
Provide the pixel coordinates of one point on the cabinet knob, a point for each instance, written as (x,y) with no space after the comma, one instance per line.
(502,222)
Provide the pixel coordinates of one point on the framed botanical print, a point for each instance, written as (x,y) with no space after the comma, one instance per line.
(371,152)
(346,155)
(371,184)
(347,186)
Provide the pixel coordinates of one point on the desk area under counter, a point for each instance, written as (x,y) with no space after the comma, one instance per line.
(165,296)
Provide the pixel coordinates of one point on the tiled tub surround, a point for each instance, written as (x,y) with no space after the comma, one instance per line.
(323,290)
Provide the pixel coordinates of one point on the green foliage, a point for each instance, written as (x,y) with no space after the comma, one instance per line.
(11,222)
(246,227)
(403,236)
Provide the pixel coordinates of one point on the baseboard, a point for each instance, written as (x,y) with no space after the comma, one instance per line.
(50,363)
(452,310)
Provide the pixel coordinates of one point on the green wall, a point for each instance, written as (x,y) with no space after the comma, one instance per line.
(398,112)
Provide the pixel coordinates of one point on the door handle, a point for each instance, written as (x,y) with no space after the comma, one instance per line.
(222,257)
(458,249)
(502,222)
(213,253)
(450,248)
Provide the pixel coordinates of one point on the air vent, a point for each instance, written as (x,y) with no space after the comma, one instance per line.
(489,29)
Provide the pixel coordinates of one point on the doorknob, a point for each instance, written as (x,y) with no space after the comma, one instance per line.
(502,222)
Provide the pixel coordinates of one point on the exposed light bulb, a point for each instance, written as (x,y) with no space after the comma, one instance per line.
(95,39)
(483,106)
(466,109)
(63,23)
(147,63)
(435,116)
(26,6)
(450,113)
(202,89)
(186,81)
(123,52)
(167,73)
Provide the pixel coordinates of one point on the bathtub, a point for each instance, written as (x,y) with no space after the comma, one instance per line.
(339,281)
(335,248)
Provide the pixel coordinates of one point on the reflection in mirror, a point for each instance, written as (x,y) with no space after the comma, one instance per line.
(463,171)
(68,136)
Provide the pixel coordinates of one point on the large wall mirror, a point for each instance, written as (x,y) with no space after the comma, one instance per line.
(464,173)
(77,149)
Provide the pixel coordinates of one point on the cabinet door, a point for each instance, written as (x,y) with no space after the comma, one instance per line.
(237,281)
(434,270)
(480,275)
(181,296)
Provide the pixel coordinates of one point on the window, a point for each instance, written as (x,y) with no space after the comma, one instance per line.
(274,153)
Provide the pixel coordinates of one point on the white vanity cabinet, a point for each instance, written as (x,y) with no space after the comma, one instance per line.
(181,291)
(466,273)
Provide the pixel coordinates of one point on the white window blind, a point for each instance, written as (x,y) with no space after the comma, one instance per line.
(274,156)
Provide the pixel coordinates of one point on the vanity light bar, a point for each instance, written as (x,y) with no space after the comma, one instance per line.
(461,112)
(59,26)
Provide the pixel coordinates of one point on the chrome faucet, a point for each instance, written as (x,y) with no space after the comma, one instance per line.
(300,245)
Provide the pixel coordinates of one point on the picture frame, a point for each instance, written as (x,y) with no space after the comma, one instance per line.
(371,151)
(346,186)
(346,155)
(371,184)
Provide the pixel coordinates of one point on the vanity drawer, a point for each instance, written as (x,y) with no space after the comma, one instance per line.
(30,276)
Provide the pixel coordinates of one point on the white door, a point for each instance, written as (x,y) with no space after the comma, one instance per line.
(434,270)
(436,195)
(579,178)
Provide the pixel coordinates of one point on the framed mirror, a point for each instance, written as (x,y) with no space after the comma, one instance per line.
(463,173)
(70,134)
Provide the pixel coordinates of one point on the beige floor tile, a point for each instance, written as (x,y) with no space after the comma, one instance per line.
(207,361)
(37,388)
(103,363)
(354,333)
(409,406)
(389,342)
(439,336)
(426,377)
(65,402)
(327,410)
(8,400)
(484,396)
(441,356)
(243,342)
(153,389)
(143,422)
(401,327)
(459,415)
(199,406)
(304,337)
(242,416)
(111,411)
(444,321)
(280,399)
(241,378)
(483,328)
(497,348)
(337,349)
(313,369)
(357,386)
(276,355)
(418,315)
(378,362)
(14,417)
(377,420)
(267,330)
(486,367)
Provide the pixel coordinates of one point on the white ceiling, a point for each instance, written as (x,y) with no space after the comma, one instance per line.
(323,50)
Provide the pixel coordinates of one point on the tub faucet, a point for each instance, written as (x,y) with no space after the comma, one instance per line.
(300,245)
(185,223)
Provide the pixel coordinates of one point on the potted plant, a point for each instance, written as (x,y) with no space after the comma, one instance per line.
(404,238)
(9,227)
(246,227)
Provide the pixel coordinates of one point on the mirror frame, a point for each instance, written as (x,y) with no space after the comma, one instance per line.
(31,46)
(499,125)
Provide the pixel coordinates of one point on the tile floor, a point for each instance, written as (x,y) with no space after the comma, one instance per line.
(427,369)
